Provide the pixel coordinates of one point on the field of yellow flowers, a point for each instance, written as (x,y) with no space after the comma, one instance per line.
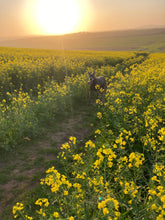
(36,85)
(119,172)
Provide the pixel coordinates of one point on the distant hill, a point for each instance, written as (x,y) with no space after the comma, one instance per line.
(152,40)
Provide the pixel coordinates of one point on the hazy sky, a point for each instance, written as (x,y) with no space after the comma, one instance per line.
(29,17)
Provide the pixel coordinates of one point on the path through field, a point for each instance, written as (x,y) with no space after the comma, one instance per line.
(21,170)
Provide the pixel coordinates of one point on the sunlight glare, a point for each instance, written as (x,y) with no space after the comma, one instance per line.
(58,16)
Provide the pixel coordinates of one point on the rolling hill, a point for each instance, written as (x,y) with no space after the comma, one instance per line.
(152,40)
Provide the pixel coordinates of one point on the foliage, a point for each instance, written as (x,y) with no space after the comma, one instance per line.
(27,68)
(37,85)
(119,172)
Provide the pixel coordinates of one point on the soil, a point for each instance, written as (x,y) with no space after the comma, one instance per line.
(23,168)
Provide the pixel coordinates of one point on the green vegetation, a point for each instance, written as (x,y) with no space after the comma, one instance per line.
(37,85)
(117,171)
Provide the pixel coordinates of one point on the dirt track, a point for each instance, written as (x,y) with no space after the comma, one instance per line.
(23,168)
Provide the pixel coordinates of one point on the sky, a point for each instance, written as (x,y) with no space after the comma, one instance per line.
(51,17)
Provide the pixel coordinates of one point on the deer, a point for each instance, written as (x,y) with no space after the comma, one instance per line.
(96,83)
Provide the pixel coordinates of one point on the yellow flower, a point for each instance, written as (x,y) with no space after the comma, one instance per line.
(71,218)
(153,206)
(41,202)
(55,214)
(102,205)
(72,140)
(77,157)
(99,115)
(154,178)
(65,193)
(90,144)
(152,192)
(28,217)
(41,212)
(163,200)
(97,131)
(117,214)
(105,211)
(160,217)
(18,207)
(97,87)
(136,159)
(115,146)
(130,202)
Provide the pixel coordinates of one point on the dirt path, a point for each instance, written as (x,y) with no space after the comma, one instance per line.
(22,169)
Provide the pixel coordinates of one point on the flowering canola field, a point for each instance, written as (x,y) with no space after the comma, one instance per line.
(117,174)
(36,85)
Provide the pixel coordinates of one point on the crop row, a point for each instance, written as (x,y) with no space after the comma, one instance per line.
(26,68)
(119,173)
(36,85)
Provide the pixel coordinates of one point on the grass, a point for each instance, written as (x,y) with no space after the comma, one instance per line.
(26,171)
(4,178)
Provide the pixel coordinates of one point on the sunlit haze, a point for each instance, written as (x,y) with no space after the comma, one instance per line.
(58,17)
(54,17)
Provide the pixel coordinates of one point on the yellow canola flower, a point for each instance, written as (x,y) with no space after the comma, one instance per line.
(77,157)
(105,211)
(159,169)
(152,192)
(56,214)
(28,217)
(130,188)
(154,178)
(40,212)
(78,186)
(81,176)
(17,208)
(160,217)
(65,146)
(163,200)
(136,159)
(65,193)
(102,205)
(72,140)
(90,144)
(153,206)
(161,133)
(97,87)
(43,202)
(98,101)
(98,131)
(99,115)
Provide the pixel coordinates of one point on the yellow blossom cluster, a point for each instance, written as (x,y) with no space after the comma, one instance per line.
(130,188)
(99,115)
(107,205)
(90,144)
(78,158)
(18,207)
(135,159)
(156,192)
(119,173)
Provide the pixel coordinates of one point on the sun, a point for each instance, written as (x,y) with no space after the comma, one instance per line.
(58,16)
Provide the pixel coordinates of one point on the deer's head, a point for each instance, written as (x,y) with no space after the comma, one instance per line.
(91,78)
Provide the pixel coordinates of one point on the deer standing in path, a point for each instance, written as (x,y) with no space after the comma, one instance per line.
(95,82)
